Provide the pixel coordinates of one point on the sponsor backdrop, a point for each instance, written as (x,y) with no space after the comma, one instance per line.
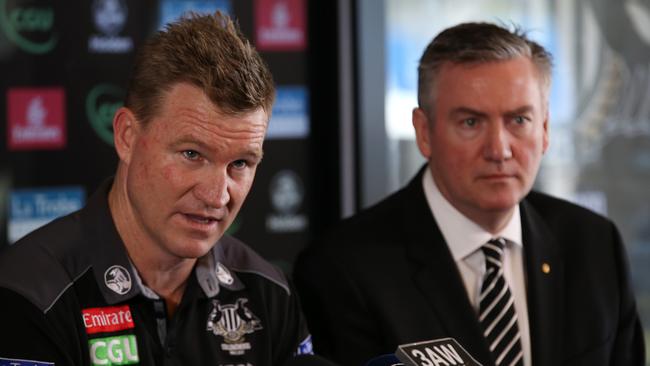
(65,68)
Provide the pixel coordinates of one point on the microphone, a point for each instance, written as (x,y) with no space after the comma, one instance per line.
(385,360)
(308,360)
(437,352)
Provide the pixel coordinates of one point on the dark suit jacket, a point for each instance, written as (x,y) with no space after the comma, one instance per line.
(386,277)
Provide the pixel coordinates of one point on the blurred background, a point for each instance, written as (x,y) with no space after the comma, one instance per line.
(340,138)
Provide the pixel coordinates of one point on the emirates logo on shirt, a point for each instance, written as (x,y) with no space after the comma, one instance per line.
(107,319)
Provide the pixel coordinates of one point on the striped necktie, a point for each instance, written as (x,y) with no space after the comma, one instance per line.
(497,309)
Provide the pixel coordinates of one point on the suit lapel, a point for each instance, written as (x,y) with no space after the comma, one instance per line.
(436,274)
(545,287)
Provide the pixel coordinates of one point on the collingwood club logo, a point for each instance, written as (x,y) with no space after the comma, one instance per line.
(118,279)
(233,322)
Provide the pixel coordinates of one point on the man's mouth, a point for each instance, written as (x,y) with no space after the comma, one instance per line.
(201,219)
(497,176)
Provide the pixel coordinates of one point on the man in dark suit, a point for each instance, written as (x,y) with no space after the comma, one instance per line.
(466,250)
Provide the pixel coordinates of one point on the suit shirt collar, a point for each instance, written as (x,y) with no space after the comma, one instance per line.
(463,236)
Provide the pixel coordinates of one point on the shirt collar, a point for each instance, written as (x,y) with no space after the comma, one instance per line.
(463,236)
(105,251)
(210,274)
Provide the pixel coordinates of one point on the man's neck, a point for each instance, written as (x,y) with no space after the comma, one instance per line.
(493,222)
(162,272)
(168,283)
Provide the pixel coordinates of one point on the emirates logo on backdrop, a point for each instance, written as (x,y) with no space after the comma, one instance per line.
(280,25)
(36,118)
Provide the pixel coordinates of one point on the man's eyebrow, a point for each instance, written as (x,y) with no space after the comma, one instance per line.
(521,110)
(254,154)
(461,111)
(250,152)
(190,139)
(458,111)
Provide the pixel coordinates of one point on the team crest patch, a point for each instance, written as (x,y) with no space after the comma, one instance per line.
(118,279)
(233,322)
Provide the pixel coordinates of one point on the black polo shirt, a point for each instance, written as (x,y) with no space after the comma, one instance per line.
(69,295)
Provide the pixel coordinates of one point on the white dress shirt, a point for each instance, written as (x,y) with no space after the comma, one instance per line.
(465,239)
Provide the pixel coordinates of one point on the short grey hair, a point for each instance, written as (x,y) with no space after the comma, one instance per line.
(472,43)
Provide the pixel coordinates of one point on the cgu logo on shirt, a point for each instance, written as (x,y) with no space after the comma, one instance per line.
(119,350)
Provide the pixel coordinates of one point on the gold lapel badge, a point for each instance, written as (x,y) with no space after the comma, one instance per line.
(546,268)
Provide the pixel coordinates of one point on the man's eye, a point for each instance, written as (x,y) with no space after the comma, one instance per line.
(239,164)
(470,122)
(520,120)
(191,155)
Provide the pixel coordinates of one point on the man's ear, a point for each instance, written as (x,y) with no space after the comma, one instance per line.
(545,137)
(125,132)
(422,131)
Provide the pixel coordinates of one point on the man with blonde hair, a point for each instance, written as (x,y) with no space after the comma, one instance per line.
(144,274)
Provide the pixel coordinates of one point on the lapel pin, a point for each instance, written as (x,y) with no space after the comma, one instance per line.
(546,268)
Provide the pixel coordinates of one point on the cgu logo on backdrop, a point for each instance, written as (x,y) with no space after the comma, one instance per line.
(31,27)
(101,103)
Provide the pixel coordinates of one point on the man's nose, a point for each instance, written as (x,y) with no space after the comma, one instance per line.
(212,189)
(497,143)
